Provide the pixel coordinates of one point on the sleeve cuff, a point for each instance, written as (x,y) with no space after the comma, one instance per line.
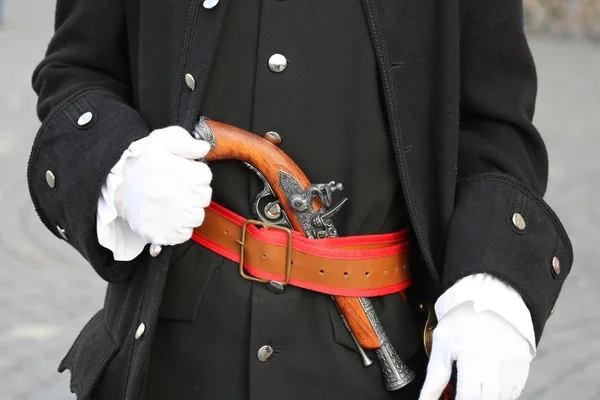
(490,294)
(501,227)
(113,231)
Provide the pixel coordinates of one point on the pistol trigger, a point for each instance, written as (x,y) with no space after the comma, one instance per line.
(330,213)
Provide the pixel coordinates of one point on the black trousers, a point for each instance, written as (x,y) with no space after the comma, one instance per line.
(212,324)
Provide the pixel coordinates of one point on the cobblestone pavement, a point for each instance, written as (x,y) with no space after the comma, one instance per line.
(47,292)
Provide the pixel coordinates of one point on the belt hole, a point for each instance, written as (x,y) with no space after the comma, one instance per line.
(346,274)
(396,269)
(368,273)
(226,232)
(385,271)
(263,256)
(322,272)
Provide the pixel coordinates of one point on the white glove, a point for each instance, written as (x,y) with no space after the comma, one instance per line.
(492,357)
(164,190)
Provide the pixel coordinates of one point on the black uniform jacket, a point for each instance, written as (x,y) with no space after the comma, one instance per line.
(459,84)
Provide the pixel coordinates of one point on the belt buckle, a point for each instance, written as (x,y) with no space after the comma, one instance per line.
(288,263)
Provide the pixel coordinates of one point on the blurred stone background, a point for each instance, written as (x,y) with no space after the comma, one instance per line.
(563,17)
(47,292)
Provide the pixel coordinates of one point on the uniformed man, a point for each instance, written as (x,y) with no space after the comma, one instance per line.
(422,109)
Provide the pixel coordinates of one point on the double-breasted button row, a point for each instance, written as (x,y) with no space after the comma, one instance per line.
(189,78)
(277,63)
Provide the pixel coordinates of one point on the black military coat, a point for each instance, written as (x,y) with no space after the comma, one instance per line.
(459,85)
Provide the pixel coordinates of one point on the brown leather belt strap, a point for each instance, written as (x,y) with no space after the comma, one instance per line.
(357,266)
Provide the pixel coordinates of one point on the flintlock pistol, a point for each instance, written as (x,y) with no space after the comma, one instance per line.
(288,199)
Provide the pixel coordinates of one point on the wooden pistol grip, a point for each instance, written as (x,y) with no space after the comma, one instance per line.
(233,143)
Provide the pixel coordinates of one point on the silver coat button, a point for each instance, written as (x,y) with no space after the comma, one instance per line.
(264,353)
(50,179)
(277,62)
(140,330)
(518,221)
(85,119)
(273,137)
(190,81)
(276,287)
(208,4)
(556,265)
(62,232)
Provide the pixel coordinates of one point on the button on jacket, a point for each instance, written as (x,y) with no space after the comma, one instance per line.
(458,84)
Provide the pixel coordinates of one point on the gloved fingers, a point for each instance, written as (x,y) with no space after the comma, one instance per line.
(508,369)
(202,197)
(173,238)
(521,373)
(468,378)
(516,393)
(194,219)
(505,393)
(192,173)
(498,377)
(490,388)
(181,143)
(197,196)
(163,164)
(185,234)
(439,371)
(200,189)
(203,174)
(515,376)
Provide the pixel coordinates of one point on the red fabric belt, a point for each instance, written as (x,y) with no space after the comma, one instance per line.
(356,266)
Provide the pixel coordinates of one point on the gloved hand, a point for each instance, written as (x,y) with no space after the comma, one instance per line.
(164,190)
(492,357)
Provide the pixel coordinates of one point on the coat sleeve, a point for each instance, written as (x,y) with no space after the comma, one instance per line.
(84,103)
(501,225)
